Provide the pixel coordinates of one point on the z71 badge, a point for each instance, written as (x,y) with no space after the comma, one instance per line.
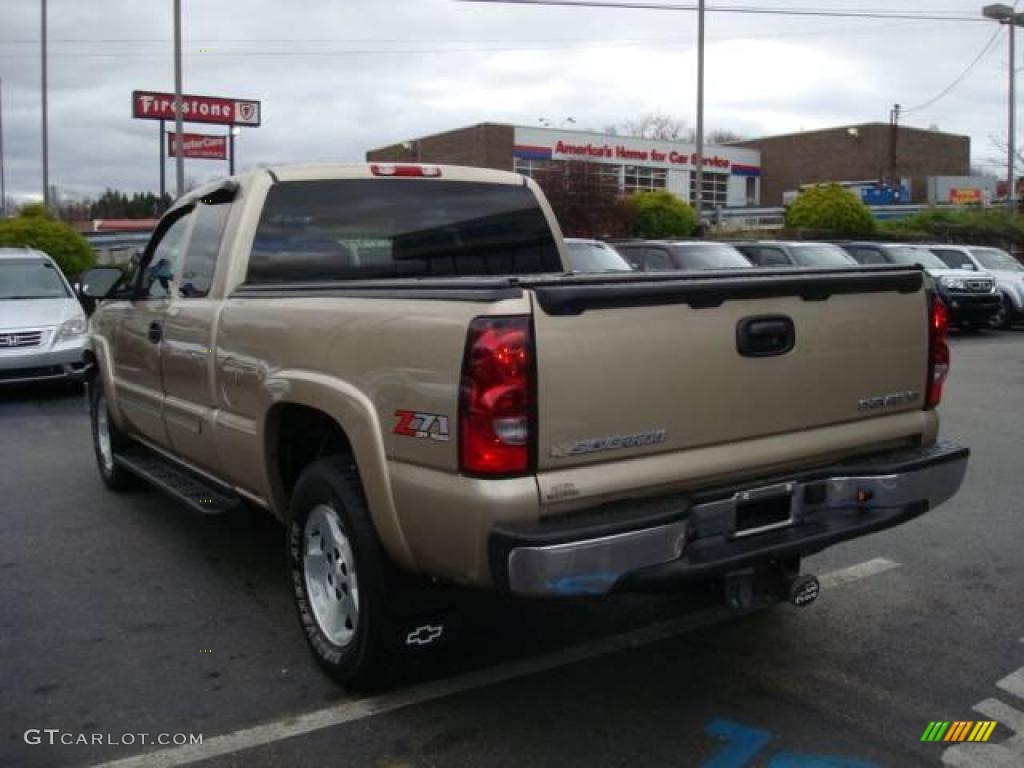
(433,426)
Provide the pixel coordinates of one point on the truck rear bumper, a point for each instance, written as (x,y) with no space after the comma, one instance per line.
(713,532)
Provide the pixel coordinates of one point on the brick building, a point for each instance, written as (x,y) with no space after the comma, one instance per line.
(731,173)
(858,153)
(753,172)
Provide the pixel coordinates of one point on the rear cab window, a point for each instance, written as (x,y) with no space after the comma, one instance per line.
(365,229)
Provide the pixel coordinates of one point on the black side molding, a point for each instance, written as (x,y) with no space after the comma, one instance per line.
(439,290)
(703,291)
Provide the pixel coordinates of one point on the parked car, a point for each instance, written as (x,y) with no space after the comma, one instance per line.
(462,411)
(771,253)
(42,325)
(971,297)
(1007,271)
(594,256)
(669,255)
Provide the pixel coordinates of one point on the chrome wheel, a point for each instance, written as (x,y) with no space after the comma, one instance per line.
(329,569)
(103,443)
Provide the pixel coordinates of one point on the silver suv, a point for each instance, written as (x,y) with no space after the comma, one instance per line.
(1007,271)
(42,324)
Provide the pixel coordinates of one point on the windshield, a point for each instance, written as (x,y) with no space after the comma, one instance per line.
(822,255)
(361,229)
(710,256)
(993,258)
(906,254)
(31,279)
(589,256)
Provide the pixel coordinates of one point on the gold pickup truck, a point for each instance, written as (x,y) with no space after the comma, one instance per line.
(395,361)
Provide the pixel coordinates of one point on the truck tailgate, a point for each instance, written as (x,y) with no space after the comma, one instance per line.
(632,367)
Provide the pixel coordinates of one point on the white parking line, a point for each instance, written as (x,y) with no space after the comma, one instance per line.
(349,711)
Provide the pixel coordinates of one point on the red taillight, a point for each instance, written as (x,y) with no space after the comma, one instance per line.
(494,399)
(938,351)
(388,169)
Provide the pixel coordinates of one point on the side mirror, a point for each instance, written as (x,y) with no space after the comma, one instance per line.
(98,282)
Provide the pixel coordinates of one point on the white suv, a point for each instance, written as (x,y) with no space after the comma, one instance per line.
(42,324)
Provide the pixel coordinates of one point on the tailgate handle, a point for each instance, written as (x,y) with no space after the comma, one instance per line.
(765,336)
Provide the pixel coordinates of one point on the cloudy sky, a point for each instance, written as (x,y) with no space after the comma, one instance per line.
(337,77)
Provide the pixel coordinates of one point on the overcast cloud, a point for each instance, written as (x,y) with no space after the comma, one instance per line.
(337,77)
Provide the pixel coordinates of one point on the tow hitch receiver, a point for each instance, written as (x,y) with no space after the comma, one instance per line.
(803,590)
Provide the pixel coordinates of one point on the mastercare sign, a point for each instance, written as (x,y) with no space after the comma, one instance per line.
(153,105)
(199,145)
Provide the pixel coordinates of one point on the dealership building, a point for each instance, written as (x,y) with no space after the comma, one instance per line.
(731,174)
(744,173)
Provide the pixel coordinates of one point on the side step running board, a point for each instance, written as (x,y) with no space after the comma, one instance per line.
(197,492)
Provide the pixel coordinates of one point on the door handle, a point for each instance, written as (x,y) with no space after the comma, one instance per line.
(765,336)
(155,333)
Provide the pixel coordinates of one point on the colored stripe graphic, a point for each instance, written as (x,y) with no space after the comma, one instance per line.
(935,730)
(959,730)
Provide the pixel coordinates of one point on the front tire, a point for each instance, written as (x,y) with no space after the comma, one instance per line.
(107,441)
(338,569)
(1003,319)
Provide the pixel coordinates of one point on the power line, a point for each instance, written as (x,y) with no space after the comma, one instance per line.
(749,9)
(985,50)
(557,44)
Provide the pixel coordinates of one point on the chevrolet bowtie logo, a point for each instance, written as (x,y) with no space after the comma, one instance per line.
(424,635)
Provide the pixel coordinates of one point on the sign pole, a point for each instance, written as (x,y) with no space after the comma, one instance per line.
(698,198)
(178,129)
(231,151)
(163,161)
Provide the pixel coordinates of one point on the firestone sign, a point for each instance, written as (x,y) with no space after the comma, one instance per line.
(199,145)
(153,105)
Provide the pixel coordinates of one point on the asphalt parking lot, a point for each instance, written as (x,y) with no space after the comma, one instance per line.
(130,615)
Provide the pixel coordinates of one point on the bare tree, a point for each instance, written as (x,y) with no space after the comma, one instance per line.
(586,202)
(1001,145)
(663,127)
(656,125)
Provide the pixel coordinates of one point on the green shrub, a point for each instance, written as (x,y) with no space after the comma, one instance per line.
(659,215)
(977,226)
(829,207)
(37,229)
(36,211)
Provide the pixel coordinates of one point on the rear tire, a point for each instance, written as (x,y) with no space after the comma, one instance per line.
(108,441)
(339,574)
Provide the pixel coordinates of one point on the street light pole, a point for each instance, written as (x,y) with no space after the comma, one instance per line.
(178,129)
(1012,130)
(698,198)
(46,133)
(3,183)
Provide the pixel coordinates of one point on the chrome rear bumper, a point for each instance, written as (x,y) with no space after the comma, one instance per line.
(717,531)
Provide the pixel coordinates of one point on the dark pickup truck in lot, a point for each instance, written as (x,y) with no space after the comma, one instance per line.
(970,297)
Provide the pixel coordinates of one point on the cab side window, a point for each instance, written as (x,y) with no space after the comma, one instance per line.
(657,260)
(161,273)
(772,257)
(868,256)
(203,249)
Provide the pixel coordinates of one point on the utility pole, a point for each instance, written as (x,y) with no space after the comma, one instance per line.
(46,132)
(1005,14)
(178,129)
(698,198)
(894,136)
